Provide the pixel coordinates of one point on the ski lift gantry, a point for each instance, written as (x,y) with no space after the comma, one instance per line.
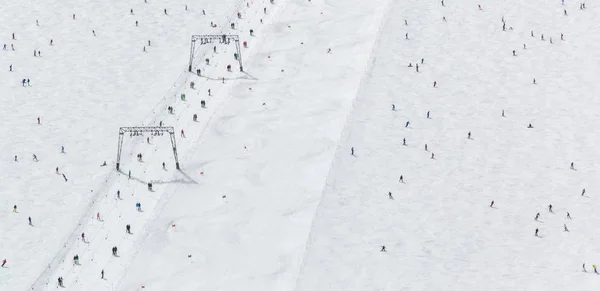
(210,38)
(152,130)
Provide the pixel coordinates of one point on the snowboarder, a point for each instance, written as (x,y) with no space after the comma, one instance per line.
(537,216)
(390,195)
(35,159)
(492,204)
(352,150)
(383,249)
(128,229)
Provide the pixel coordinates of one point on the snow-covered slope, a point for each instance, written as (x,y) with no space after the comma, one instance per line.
(269,196)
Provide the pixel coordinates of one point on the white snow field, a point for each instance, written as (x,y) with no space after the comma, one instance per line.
(269,196)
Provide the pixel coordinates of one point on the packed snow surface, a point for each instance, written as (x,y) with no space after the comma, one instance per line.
(290,175)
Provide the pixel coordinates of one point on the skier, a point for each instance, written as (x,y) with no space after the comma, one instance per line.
(10,68)
(3,263)
(39,120)
(583,192)
(73,16)
(83,236)
(383,249)
(12,46)
(565,12)
(492,204)
(405,22)
(34,53)
(16,158)
(166,12)
(136,23)
(65,177)
(432,156)
(98,216)
(76,260)
(209,92)
(131,11)
(4,48)
(401,179)
(572,166)
(60,282)
(503,113)
(469,135)
(114,251)
(390,195)
(164,166)
(35,159)
(57,170)
(407,124)
(102,274)
(182,133)
(352,150)
(28,82)
(524,46)
(536,232)
(30,223)
(138,206)
(422,60)
(434,84)
(537,216)
(23,82)
(128,229)
(393,107)
(417,67)
(565,226)
(406,35)
(428,114)
(561,37)
(119,194)
(404,141)
(595,271)
(530,126)
(584,267)
(62,149)
(13,36)
(15,208)
(514,53)
(425,147)
(534,81)
(144,49)
(550,208)
(130,174)
(568,215)
(542,37)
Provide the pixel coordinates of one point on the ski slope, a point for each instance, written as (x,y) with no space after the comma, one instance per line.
(269,196)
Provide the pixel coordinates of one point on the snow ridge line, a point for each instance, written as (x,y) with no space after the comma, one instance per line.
(366,76)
